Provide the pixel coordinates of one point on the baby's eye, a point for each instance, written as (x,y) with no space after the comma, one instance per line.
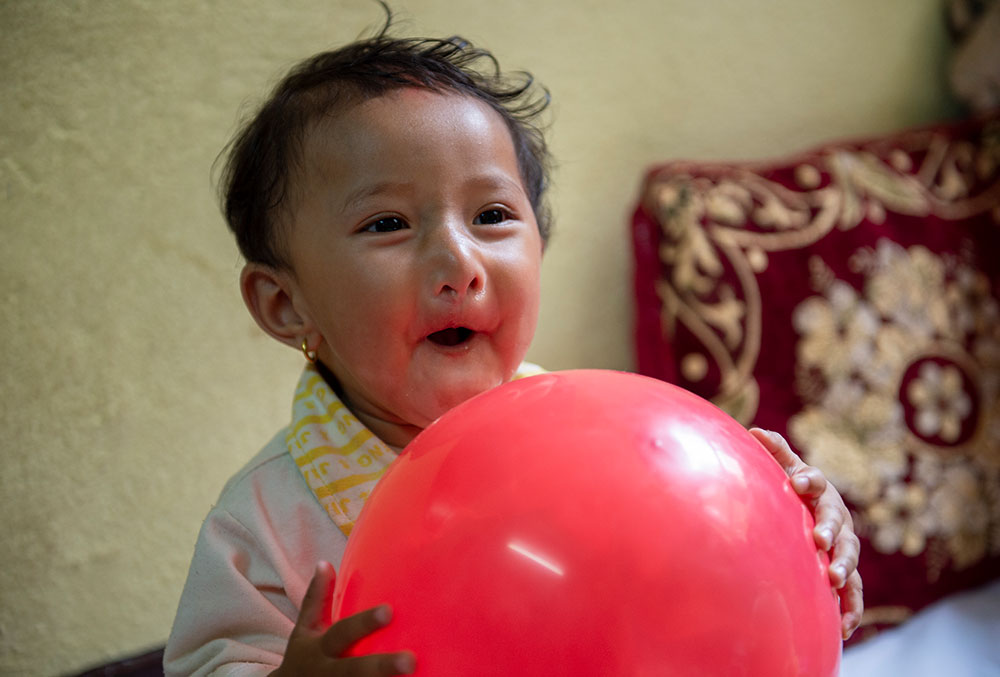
(386,224)
(491,216)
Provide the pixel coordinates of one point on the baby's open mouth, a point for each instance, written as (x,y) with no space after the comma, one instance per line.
(452,336)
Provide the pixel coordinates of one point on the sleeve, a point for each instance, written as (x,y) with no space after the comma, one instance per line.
(234,616)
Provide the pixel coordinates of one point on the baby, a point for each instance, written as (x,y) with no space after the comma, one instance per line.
(388,199)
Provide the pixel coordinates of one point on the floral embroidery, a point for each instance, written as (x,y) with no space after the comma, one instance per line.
(895,391)
(839,331)
(719,223)
(900,520)
(897,420)
(941,403)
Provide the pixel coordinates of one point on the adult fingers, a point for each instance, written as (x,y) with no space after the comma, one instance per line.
(343,634)
(852,605)
(317,605)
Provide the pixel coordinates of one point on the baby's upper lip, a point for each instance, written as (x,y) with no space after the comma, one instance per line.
(452,325)
(470,321)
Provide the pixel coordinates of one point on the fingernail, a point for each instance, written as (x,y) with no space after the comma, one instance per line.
(406,664)
(383,614)
(826,535)
(840,571)
(800,483)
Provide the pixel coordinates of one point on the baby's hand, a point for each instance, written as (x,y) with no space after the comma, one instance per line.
(834,532)
(316,647)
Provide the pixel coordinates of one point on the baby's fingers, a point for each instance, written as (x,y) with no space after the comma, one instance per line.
(343,634)
(778,447)
(844,560)
(375,665)
(317,605)
(830,517)
(809,482)
(851,605)
(346,632)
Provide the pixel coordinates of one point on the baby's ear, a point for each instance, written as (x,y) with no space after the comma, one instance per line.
(271,296)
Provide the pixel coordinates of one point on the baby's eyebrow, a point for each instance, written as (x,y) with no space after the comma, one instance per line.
(381,188)
(496,180)
(487,180)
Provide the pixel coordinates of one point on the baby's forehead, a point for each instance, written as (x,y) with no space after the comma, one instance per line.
(408,129)
(404,108)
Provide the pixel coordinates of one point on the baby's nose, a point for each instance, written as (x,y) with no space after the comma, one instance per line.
(456,265)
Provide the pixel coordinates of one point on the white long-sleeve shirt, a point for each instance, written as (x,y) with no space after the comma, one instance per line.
(255,556)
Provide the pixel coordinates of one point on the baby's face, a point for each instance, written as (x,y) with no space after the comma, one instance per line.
(416,250)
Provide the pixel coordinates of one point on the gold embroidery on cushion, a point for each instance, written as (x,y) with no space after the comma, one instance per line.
(901,396)
(723,217)
(941,403)
(901,379)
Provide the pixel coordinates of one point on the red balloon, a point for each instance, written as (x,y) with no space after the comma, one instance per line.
(591,523)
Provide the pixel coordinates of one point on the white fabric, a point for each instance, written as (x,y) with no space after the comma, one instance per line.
(956,637)
(256,553)
(259,546)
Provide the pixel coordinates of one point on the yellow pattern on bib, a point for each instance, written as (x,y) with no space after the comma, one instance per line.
(339,457)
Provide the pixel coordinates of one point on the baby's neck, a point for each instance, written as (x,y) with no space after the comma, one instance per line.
(394,433)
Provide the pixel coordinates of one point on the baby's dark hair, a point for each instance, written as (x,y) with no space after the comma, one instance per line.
(263,156)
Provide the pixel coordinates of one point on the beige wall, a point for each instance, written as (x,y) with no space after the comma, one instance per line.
(134,383)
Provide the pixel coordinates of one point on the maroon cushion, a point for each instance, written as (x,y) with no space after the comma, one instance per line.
(847,298)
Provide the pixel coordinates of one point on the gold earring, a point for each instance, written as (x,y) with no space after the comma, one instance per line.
(310,354)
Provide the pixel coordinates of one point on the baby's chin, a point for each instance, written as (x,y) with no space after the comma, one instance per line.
(446,397)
